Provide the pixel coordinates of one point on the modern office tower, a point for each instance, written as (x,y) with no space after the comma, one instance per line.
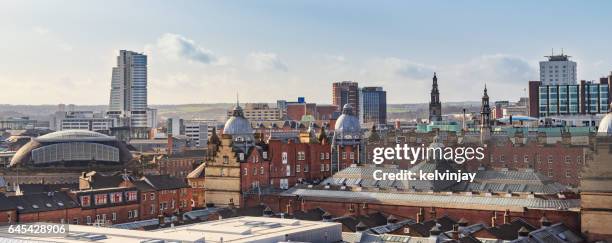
(175,126)
(435,107)
(128,95)
(595,97)
(346,92)
(84,120)
(197,130)
(373,105)
(152,118)
(587,97)
(558,70)
(559,100)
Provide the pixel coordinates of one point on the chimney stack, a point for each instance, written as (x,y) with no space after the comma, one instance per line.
(432,213)
(523,233)
(455,232)
(544,222)
(462,224)
(507,216)
(494,219)
(420,215)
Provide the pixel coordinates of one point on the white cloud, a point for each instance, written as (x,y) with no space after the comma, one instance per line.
(266,61)
(177,47)
(41,30)
(404,68)
(498,68)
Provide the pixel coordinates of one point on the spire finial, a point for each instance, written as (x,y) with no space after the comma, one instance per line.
(237,99)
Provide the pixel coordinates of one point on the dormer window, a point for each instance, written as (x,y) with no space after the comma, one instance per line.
(265,155)
(85,201)
(241,156)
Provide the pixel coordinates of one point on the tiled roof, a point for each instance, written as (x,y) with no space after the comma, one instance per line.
(384,229)
(484,181)
(143,186)
(509,231)
(165,182)
(105,181)
(451,201)
(557,233)
(43,202)
(6,204)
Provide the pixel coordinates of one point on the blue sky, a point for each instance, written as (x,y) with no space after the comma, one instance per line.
(207,51)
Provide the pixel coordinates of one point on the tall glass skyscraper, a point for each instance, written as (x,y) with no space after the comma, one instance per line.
(128,95)
(373,105)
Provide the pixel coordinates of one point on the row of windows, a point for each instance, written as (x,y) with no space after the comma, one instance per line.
(75,151)
(549,159)
(114,197)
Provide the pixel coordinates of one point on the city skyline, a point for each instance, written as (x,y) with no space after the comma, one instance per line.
(195,50)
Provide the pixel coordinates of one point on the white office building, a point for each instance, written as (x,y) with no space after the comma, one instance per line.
(558,70)
(82,120)
(128,95)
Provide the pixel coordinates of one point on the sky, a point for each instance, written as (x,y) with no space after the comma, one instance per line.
(209,51)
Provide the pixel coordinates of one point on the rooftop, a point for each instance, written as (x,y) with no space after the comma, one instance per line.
(241,229)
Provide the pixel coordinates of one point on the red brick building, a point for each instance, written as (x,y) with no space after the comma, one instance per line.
(8,211)
(172,194)
(562,162)
(294,161)
(179,164)
(107,206)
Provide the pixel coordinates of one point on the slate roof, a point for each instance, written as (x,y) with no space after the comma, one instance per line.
(256,211)
(43,202)
(510,231)
(315,214)
(99,181)
(165,182)
(143,186)
(384,229)
(44,188)
(485,180)
(191,153)
(370,220)
(6,204)
(557,233)
(452,201)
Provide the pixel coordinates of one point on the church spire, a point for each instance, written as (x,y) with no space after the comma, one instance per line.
(435,107)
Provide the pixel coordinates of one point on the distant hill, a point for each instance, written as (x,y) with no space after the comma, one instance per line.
(218,111)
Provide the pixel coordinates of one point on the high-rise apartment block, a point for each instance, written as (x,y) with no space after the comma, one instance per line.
(558,70)
(128,95)
(346,92)
(373,105)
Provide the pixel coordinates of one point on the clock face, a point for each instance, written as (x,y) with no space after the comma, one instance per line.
(347,136)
